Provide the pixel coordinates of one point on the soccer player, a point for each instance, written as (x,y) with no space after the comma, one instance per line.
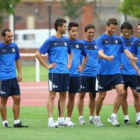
(78,49)
(9,62)
(88,75)
(110,48)
(135,49)
(129,74)
(60,57)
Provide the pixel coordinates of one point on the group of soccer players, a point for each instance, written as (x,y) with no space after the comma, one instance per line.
(78,66)
(75,65)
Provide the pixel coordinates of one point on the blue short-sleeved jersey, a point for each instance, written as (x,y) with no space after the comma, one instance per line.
(111,45)
(125,61)
(135,49)
(78,49)
(57,49)
(8,55)
(92,63)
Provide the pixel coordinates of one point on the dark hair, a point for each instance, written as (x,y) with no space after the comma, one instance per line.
(126,25)
(72,24)
(59,22)
(89,26)
(3,33)
(139,24)
(112,21)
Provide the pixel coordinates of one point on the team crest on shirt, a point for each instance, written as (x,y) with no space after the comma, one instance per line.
(95,46)
(65,43)
(116,41)
(13,50)
(77,46)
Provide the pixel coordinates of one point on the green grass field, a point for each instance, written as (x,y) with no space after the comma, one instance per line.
(36,118)
(28,73)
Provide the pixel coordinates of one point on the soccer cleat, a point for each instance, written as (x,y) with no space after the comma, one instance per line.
(113,121)
(52,124)
(97,122)
(126,122)
(6,125)
(70,124)
(81,121)
(138,122)
(62,123)
(91,120)
(20,125)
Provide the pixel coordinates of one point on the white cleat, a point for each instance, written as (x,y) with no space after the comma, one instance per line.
(97,122)
(91,120)
(113,121)
(70,124)
(52,124)
(82,121)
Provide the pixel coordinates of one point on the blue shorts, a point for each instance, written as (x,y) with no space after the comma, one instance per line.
(74,84)
(130,81)
(9,87)
(88,84)
(58,82)
(138,84)
(108,82)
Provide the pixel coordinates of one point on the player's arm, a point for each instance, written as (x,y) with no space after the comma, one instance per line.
(104,56)
(40,58)
(130,56)
(18,66)
(70,56)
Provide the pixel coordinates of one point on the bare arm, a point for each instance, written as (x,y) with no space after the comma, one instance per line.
(70,56)
(18,66)
(104,56)
(130,56)
(39,57)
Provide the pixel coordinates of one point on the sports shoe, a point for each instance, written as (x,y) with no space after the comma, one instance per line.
(70,124)
(113,121)
(62,123)
(138,122)
(126,122)
(20,125)
(91,120)
(97,122)
(6,125)
(81,121)
(52,124)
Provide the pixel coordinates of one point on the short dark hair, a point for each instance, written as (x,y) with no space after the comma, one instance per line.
(89,26)
(112,21)
(126,25)
(72,24)
(59,22)
(3,33)
(139,24)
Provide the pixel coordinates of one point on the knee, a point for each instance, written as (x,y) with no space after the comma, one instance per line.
(71,97)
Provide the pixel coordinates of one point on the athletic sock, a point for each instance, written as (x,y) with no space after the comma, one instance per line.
(16,121)
(137,116)
(68,119)
(3,122)
(126,117)
(113,115)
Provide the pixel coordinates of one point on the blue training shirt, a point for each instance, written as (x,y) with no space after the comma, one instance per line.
(78,49)
(57,49)
(135,49)
(125,61)
(91,68)
(111,45)
(8,55)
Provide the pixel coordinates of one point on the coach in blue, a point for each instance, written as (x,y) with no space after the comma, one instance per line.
(57,47)
(9,61)
(78,50)
(129,74)
(110,48)
(88,77)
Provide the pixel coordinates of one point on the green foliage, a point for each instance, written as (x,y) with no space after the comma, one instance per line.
(72,7)
(131,7)
(8,7)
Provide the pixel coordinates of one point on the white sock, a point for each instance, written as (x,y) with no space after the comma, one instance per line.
(68,118)
(61,119)
(16,121)
(126,117)
(3,122)
(98,117)
(137,116)
(50,119)
(113,115)
(81,117)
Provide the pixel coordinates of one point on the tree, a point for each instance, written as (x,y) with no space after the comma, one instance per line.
(72,7)
(131,7)
(8,7)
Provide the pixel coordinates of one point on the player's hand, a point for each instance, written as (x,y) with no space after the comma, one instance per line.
(52,65)
(68,66)
(110,58)
(135,59)
(19,78)
(80,68)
